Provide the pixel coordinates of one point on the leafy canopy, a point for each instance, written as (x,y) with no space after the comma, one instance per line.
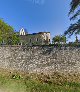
(75,12)
(7,34)
(59,39)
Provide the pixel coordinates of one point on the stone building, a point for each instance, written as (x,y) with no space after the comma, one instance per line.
(41,38)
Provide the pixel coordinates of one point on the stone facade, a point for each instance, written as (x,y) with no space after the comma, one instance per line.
(41,38)
(40,59)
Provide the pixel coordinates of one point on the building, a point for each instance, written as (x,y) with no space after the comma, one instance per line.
(41,38)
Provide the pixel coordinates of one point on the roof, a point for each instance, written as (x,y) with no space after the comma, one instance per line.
(39,33)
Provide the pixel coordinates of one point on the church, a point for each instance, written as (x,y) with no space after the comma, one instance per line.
(41,38)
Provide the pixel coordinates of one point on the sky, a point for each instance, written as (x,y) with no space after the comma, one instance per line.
(36,15)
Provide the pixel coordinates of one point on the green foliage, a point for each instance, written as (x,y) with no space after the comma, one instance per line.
(74,5)
(5,31)
(15,39)
(7,34)
(74,28)
(59,39)
(76,40)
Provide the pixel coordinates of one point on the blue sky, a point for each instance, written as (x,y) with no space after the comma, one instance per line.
(36,15)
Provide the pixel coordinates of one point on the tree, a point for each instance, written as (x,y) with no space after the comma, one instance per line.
(56,39)
(74,28)
(7,34)
(5,31)
(76,40)
(59,39)
(63,39)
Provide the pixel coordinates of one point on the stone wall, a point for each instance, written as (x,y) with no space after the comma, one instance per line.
(40,59)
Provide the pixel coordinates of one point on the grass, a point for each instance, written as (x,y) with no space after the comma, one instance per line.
(37,83)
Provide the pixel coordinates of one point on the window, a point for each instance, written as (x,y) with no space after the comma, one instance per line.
(37,39)
(49,40)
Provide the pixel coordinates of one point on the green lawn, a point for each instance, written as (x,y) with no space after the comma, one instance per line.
(16,83)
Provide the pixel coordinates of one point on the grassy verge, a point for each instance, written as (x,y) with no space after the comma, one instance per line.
(37,83)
